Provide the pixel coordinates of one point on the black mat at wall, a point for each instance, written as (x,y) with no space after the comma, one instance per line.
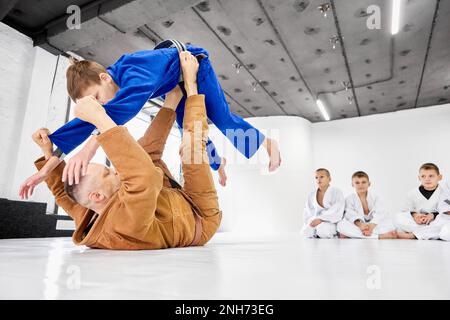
(20,219)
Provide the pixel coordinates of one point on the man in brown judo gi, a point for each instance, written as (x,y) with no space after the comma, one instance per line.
(139,205)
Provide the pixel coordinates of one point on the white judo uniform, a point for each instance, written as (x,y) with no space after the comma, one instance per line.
(416,202)
(444,214)
(331,213)
(354,211)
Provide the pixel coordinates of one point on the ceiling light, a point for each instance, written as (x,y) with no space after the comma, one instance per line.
(254,85)
(322,110)
(395,16)
(324,8)
(346,85)
(350,99)
(237,66)
(334,40)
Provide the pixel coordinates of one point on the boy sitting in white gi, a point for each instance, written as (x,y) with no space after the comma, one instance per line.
(324,208)
(420,218)
(364,216)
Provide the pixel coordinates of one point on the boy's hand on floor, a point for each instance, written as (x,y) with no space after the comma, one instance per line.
(315,223)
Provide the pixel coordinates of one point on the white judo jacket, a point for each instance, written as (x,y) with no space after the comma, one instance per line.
(416,202)
(332,211)
(354,209)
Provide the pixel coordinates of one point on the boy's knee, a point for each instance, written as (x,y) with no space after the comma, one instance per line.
(445,232)
(326,230)
(340,227)
(400,220)
(308,232)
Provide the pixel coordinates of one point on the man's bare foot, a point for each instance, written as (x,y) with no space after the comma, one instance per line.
(406,235)
(222,173)
(274,154)
(342,236)
(388,235)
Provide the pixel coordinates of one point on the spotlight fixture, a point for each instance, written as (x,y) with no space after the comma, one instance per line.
(323,8)
(395,16)
(350,99)
(237,66)
(346,85)
(334,40)
(254,85)
(322,110)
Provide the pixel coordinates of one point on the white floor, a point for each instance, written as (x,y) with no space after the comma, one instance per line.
(229,267)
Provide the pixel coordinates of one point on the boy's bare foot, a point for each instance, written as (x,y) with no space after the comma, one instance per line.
(388,235)
(222,173)
(406,235)
(342,236)
(274,154)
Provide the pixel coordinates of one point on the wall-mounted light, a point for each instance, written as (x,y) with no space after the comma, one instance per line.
(395,22)
(323,8)
(322,110)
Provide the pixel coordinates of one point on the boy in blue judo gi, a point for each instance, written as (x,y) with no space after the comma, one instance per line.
(123,89)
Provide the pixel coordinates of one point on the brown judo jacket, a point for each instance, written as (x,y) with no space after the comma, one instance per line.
(143,214)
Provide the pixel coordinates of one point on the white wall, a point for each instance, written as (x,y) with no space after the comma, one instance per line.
(33,95)
(255,201)
(390,147)
(16,62)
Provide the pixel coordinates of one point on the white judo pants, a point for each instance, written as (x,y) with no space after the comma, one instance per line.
(325,230)
(350,230)
(439,228)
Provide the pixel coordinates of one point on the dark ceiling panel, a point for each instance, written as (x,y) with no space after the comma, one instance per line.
(35,14)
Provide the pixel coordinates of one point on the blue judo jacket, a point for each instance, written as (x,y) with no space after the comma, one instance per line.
(148,74)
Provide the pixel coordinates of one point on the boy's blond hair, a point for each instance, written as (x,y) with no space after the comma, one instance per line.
(82,74)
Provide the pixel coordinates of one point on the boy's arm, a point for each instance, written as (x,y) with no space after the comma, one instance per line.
(351,214)
(379,213)
(334,213)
